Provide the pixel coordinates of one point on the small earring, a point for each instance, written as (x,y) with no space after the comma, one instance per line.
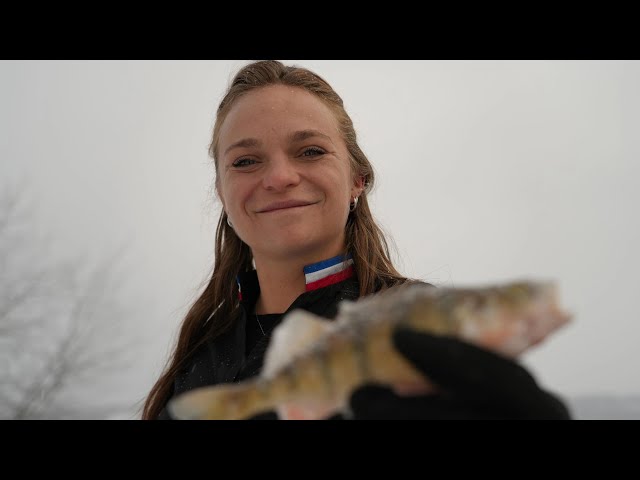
(353,205)
(229,221)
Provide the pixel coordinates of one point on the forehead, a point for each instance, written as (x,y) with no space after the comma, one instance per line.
(276,108)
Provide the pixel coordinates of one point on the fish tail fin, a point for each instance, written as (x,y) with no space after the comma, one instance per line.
(231,401)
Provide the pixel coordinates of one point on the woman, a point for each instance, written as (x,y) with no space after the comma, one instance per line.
(295,231)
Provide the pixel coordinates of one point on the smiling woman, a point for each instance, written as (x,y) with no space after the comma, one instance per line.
(295,232)
(285,186)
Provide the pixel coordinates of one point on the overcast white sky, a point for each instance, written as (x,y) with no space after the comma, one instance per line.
(486,171)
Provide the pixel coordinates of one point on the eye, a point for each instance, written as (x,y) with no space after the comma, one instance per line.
(243,162)
(312,152)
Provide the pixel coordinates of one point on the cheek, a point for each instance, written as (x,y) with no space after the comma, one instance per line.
(228,194)
(338,181)
(235,194)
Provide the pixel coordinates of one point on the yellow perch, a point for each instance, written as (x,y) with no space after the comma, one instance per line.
(312,365)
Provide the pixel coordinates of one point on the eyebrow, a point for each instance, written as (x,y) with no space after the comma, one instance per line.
(304,134)
(244,143)
(298,136)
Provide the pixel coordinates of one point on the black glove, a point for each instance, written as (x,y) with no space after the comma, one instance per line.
(475,383)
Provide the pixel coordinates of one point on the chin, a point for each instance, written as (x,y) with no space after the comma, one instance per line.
(295,246)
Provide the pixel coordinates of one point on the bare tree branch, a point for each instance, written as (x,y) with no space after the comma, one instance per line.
(61,326)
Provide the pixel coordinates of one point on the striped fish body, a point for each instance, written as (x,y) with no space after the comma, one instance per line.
(313,365)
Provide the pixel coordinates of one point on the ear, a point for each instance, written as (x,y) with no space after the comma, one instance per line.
(358,186)
(218,193)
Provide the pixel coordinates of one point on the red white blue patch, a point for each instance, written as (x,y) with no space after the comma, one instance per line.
(328,272)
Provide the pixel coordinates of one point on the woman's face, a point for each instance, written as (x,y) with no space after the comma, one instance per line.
(284,176)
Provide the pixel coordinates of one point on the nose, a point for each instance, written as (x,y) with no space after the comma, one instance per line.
(280,173)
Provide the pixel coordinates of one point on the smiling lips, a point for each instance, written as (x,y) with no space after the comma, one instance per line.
(283,205)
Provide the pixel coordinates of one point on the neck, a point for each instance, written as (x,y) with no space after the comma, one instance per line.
(279,286)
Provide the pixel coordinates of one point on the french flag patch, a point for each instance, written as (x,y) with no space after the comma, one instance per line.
(328,272)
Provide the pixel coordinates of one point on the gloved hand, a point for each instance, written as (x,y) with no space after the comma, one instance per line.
(474,383)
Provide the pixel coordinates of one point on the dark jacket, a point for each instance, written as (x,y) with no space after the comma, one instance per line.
(227,358)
